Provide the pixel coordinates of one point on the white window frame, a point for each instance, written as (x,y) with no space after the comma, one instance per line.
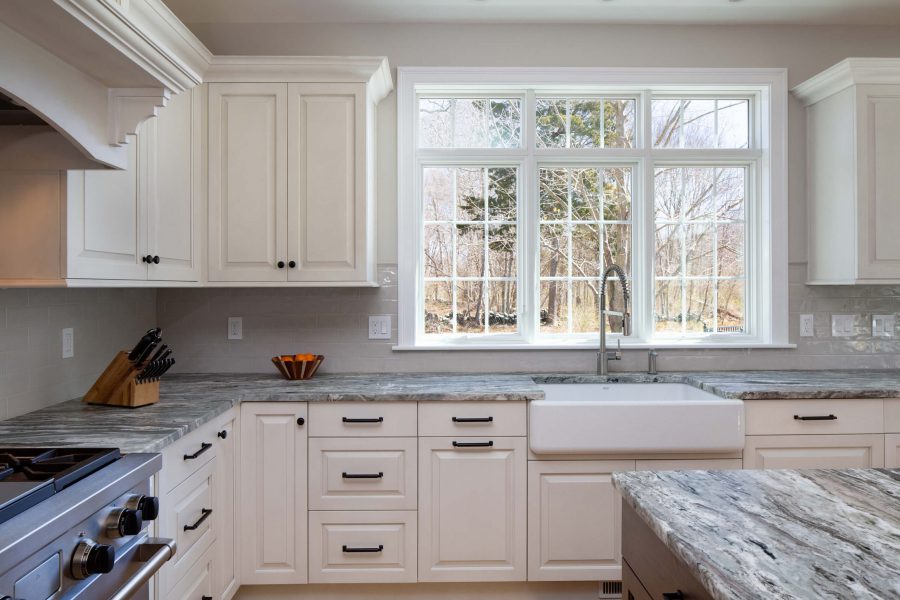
(766,228)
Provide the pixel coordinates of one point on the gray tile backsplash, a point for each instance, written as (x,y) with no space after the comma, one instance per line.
(33,373)
(333,322)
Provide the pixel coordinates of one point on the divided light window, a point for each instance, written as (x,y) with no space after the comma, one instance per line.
(527,196)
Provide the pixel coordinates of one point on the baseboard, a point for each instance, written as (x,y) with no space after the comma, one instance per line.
(580,590)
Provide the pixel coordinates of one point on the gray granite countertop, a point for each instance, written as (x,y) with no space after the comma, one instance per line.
(190,400)
(777,534)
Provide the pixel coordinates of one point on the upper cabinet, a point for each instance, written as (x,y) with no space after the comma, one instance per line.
(291,171)
(853,164)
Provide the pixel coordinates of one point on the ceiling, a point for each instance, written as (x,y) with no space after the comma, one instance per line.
(794,12)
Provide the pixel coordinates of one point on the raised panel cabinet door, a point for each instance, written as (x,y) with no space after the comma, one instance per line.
(225,558)
(879,245)
(574,520)
(273,493)
(472,517)
(328,237)
(247,181)
(173,190)
(106,237)
(814,451)
(892,451)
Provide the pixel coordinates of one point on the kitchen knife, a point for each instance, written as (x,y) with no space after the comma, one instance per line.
(141,346)
(158,354)
(142,361)
(168,365)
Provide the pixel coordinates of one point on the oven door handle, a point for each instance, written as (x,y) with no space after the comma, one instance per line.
(154,553)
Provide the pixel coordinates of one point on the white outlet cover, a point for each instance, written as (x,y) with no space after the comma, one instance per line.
(883,325)
(68,342)
(807,325)
(380,327)
(235,328)
(842,325)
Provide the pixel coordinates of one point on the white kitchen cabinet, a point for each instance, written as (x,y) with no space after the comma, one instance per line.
(892,451)
(855,451)
(574,520)
(225,560)
(853,149)
(472,509)
(273,501)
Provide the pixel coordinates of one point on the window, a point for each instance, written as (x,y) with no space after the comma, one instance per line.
(519,188)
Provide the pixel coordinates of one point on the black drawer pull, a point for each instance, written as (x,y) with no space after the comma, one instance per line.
(204,516)
(472,444)
(679,595)
(816,418)
(375,420)
(206,598)
(203,448)
(377,475)
(350,550)
(473,419)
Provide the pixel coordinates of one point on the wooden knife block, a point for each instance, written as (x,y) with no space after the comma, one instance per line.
(116,386)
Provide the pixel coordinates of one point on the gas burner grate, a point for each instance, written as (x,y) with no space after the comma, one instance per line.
(64,466)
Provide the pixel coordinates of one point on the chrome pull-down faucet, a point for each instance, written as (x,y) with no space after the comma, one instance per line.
(604,356)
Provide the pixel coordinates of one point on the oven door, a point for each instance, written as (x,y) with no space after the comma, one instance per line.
(132,573)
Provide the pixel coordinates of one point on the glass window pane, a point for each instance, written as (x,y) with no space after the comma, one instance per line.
(554,242)
(438,300)
(470,122)
(438,250)
(700,308)
(586,250)
(469,250)
(731,306)
(438,193)
(554,317)
(502,251)
(585,306)
(554,194)
(700,123)
(666,123)
(730,250)
(469,194)
(503,316)
(733,124)
(699,194)
(617,246)
(470,307)
(585,123)
(550,127)
(585,185)
(668,250)
(668,194)
(617,193)
(618,123)
(668,306)
(730,185)
(698,250)
(502,194)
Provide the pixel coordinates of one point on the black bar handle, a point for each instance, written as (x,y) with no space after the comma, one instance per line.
(472,444)
(816,418)
(473,419)
(377,475)
(349,550)
(375,420)
(677,595)
(204,516)
(203,448)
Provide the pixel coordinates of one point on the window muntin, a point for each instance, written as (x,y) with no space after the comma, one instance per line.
(470,122)
(700,122)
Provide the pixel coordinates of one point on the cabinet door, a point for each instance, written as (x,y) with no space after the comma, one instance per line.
(226,547)
(173,191)
(106,213)
(892,451)
(574,520)
(814,451)
(472,520)
(247,181)
(328,236)
(273,493)
(879,181)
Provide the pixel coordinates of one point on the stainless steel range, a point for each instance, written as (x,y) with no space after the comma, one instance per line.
(74,524)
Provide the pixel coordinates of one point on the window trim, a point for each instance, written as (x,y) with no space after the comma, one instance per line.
(768,266)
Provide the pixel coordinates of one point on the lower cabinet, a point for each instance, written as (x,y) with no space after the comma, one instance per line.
(225,565)
(854,451)
(197,583)
(273,526)
(892,451)
(472,509)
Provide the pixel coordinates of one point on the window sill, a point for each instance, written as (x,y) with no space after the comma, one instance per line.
(593,346)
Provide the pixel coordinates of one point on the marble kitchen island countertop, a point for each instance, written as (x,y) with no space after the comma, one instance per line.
(777,534)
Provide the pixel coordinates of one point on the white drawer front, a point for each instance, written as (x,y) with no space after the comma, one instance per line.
(801,417)
(196,583)
(184,457)
(362,419)
(862,451)
(892,415)
(472,419)
(362,473)
(362,547)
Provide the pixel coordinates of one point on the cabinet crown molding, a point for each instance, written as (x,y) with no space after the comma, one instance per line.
(848,72)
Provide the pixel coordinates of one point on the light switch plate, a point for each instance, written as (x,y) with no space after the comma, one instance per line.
(807,325)
(68,342)
(883,325)
(380,327)
(235,328)
(842,325)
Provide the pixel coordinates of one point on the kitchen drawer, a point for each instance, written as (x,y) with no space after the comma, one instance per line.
(385,544)
(892,451)
(362,473)
(861,451)
(362,419)
(473,419)
(801,417)
(892,415)
(186,455)
(186,515)
(196,583)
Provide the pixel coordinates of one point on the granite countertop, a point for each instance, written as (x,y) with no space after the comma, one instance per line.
(188,401)
(777,534)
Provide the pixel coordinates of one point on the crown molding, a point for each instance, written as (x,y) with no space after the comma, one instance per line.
(848,72)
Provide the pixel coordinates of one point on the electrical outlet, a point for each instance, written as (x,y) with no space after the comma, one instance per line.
(807,326)
(235,328)
(842,325)
(68,342)
(883,325)
(380,327)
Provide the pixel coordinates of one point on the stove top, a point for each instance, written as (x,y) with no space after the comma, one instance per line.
(30,475)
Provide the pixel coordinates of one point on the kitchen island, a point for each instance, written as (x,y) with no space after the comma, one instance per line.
(761,534)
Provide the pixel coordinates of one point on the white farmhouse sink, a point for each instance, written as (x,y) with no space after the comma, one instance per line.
(587,418)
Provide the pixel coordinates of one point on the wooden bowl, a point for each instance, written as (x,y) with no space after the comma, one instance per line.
(298,366)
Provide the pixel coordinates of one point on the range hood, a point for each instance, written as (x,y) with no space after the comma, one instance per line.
(90,70)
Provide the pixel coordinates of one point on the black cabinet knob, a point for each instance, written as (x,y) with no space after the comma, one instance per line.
(292,264)
(155,260)
(147,259)
(301,421)
(223,434)
(149,507)
(280,264)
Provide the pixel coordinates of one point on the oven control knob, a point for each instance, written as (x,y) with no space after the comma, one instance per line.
(148,506)
(123,522)
(91,558)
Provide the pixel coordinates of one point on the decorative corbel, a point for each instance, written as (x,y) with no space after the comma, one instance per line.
(129,107)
